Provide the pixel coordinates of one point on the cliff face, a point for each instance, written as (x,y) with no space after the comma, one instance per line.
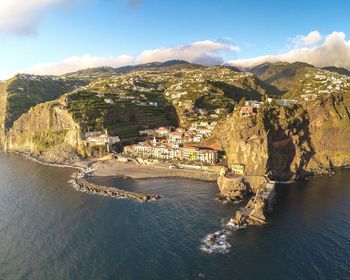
(329,125)
(244,142)
(288,142)
(47,132)
(3,103)
(22,92)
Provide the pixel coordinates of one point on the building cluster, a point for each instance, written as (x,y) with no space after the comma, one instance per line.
(98,138)
(194,134)
(252,107)
(161,150)
(31,77)
(323,83)
(174,144)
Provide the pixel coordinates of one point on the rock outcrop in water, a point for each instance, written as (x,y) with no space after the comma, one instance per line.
(234,187)
(258,208)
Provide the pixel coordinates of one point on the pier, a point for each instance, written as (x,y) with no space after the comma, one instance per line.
(81,184)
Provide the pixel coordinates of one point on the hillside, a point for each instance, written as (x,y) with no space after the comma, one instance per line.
(339,70)
(282,75)
(175,94)
(199,93)
(23,91)
(297,79)
(285,142)
(155,65)
(91,74)
(289,142)
(47,132)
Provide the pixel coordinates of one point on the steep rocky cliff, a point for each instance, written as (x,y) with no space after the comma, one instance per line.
(22,92)
(289,142)
(329,126)
(47,132)
(244,141)
(3,103)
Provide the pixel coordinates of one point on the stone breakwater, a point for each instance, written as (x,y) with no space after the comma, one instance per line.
(198,175)
(81,184)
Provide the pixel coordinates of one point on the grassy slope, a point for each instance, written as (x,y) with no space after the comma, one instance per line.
(26,92)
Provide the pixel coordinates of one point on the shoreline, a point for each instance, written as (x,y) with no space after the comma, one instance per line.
(113,168)
(80,179)
(29,157)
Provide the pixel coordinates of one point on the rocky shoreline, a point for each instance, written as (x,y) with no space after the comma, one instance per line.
(89,168)
(81,166)
(80,183)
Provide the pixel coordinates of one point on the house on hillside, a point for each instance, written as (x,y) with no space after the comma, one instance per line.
(98,138)
(309,96)
(248,111)
(109,101)
(254,103)
(282,102)
(237,169)
(162,131)
(176,137)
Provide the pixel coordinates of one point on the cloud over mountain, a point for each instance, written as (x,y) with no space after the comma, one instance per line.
(307,40)
(75,63)
(203,52)
(313,48)
(332,50)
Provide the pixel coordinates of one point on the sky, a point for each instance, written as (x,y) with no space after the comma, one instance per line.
(60,36)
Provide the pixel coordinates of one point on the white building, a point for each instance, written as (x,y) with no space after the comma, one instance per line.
(308,96)
(254,103)
(109,101)
(99,138)
(282,102)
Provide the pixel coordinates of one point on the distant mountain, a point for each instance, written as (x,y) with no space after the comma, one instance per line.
(170,63)
(281,74)
(105,72)
(339,70)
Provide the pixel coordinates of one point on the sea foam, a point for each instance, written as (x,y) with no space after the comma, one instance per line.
(217,242)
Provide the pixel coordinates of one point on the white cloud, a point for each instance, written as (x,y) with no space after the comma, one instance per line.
(75,63)
(202,52)
(333,50)
(22,17)
(312,38)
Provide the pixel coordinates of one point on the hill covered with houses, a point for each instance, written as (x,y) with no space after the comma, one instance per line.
(183,113)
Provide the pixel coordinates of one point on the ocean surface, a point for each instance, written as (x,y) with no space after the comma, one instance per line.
(48,230)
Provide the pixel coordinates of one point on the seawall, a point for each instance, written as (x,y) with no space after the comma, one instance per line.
(80,183)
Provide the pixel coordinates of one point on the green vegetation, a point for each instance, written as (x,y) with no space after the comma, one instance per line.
(26,91)
(119,117)
(281,75)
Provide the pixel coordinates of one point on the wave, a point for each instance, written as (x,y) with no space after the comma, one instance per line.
(217,242)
